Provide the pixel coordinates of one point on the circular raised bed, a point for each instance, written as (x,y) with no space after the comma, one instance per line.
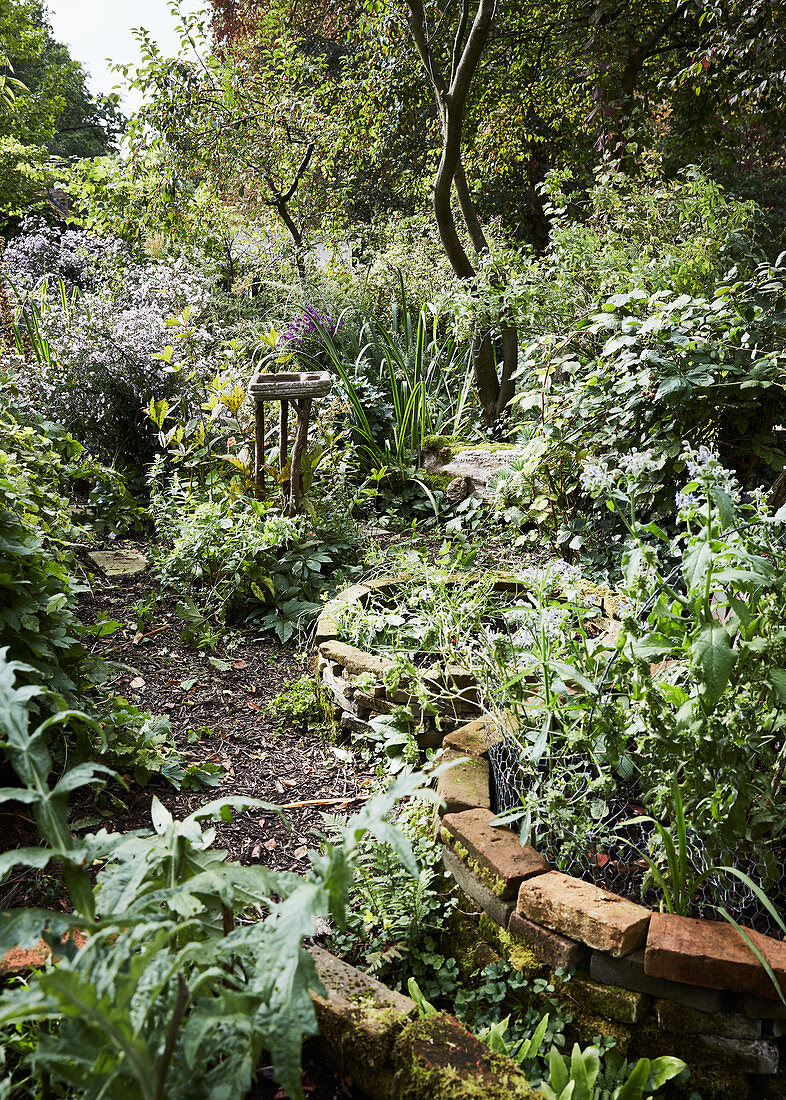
(454,694)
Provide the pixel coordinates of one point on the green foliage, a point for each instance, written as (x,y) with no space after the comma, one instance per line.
(300,700)
(234,559)
(673,697)
(394,920)
(403,382)
(48,111)
(37,602)
(650,372)
(39,464)
(580,1077)
(169,996)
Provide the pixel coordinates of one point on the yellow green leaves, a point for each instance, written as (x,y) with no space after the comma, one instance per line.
(157,411)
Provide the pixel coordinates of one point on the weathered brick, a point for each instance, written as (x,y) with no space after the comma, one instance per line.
(326,629)
(464,785)
(762,1008)
(354,660)
(469,739)
(610,1001)
(465,701)
(438,1057)
(629,972)
(339,690)
(747,1055)
(713,954)
(351,724)
(584,912)
(19,961)
(497,851)
(497,909)
(359,1021)
(555,950)
(377,704)
(678,1018)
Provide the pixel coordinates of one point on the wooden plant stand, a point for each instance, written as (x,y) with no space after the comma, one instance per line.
(300,389)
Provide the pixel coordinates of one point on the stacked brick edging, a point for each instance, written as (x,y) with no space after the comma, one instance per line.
(693,985)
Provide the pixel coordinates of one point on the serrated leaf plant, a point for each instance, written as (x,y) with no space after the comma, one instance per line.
(190,965)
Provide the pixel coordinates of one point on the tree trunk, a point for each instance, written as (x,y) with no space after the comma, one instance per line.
(493,392)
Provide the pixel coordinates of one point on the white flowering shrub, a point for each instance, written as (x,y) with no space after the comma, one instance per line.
(100,320)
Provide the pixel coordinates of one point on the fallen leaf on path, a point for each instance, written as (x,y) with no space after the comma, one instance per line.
(271,844)
(289,783)
(137,682)
(239,664)
(300,852)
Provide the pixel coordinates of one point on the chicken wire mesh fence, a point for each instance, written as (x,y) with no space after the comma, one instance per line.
(608,847)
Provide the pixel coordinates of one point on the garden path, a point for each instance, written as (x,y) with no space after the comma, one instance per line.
(266,753)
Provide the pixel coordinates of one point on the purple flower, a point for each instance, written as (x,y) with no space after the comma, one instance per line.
(307,328)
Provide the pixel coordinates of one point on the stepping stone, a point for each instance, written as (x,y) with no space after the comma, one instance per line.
(119,563)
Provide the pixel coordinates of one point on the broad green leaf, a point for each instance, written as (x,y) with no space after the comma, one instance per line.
(713,657)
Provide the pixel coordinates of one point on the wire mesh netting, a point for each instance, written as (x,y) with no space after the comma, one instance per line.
(599,840)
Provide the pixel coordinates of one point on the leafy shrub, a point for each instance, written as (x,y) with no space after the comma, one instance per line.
(37,620)
(39,629)
(98,349)
(692,688)
(236,559)
(168,997)
(650,372)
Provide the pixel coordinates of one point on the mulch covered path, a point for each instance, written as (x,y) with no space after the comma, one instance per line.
(223,715)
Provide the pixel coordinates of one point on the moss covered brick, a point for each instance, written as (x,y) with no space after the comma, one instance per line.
(438,1059)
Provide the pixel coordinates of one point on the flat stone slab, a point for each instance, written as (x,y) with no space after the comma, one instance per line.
(629,972)
(555,950)
(584,912)
(713,954)
(119,563)
(465,785)
(478,464)
(497,851)
(355,661)
(495,907)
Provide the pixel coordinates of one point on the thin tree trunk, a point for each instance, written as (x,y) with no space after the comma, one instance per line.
(493,392)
